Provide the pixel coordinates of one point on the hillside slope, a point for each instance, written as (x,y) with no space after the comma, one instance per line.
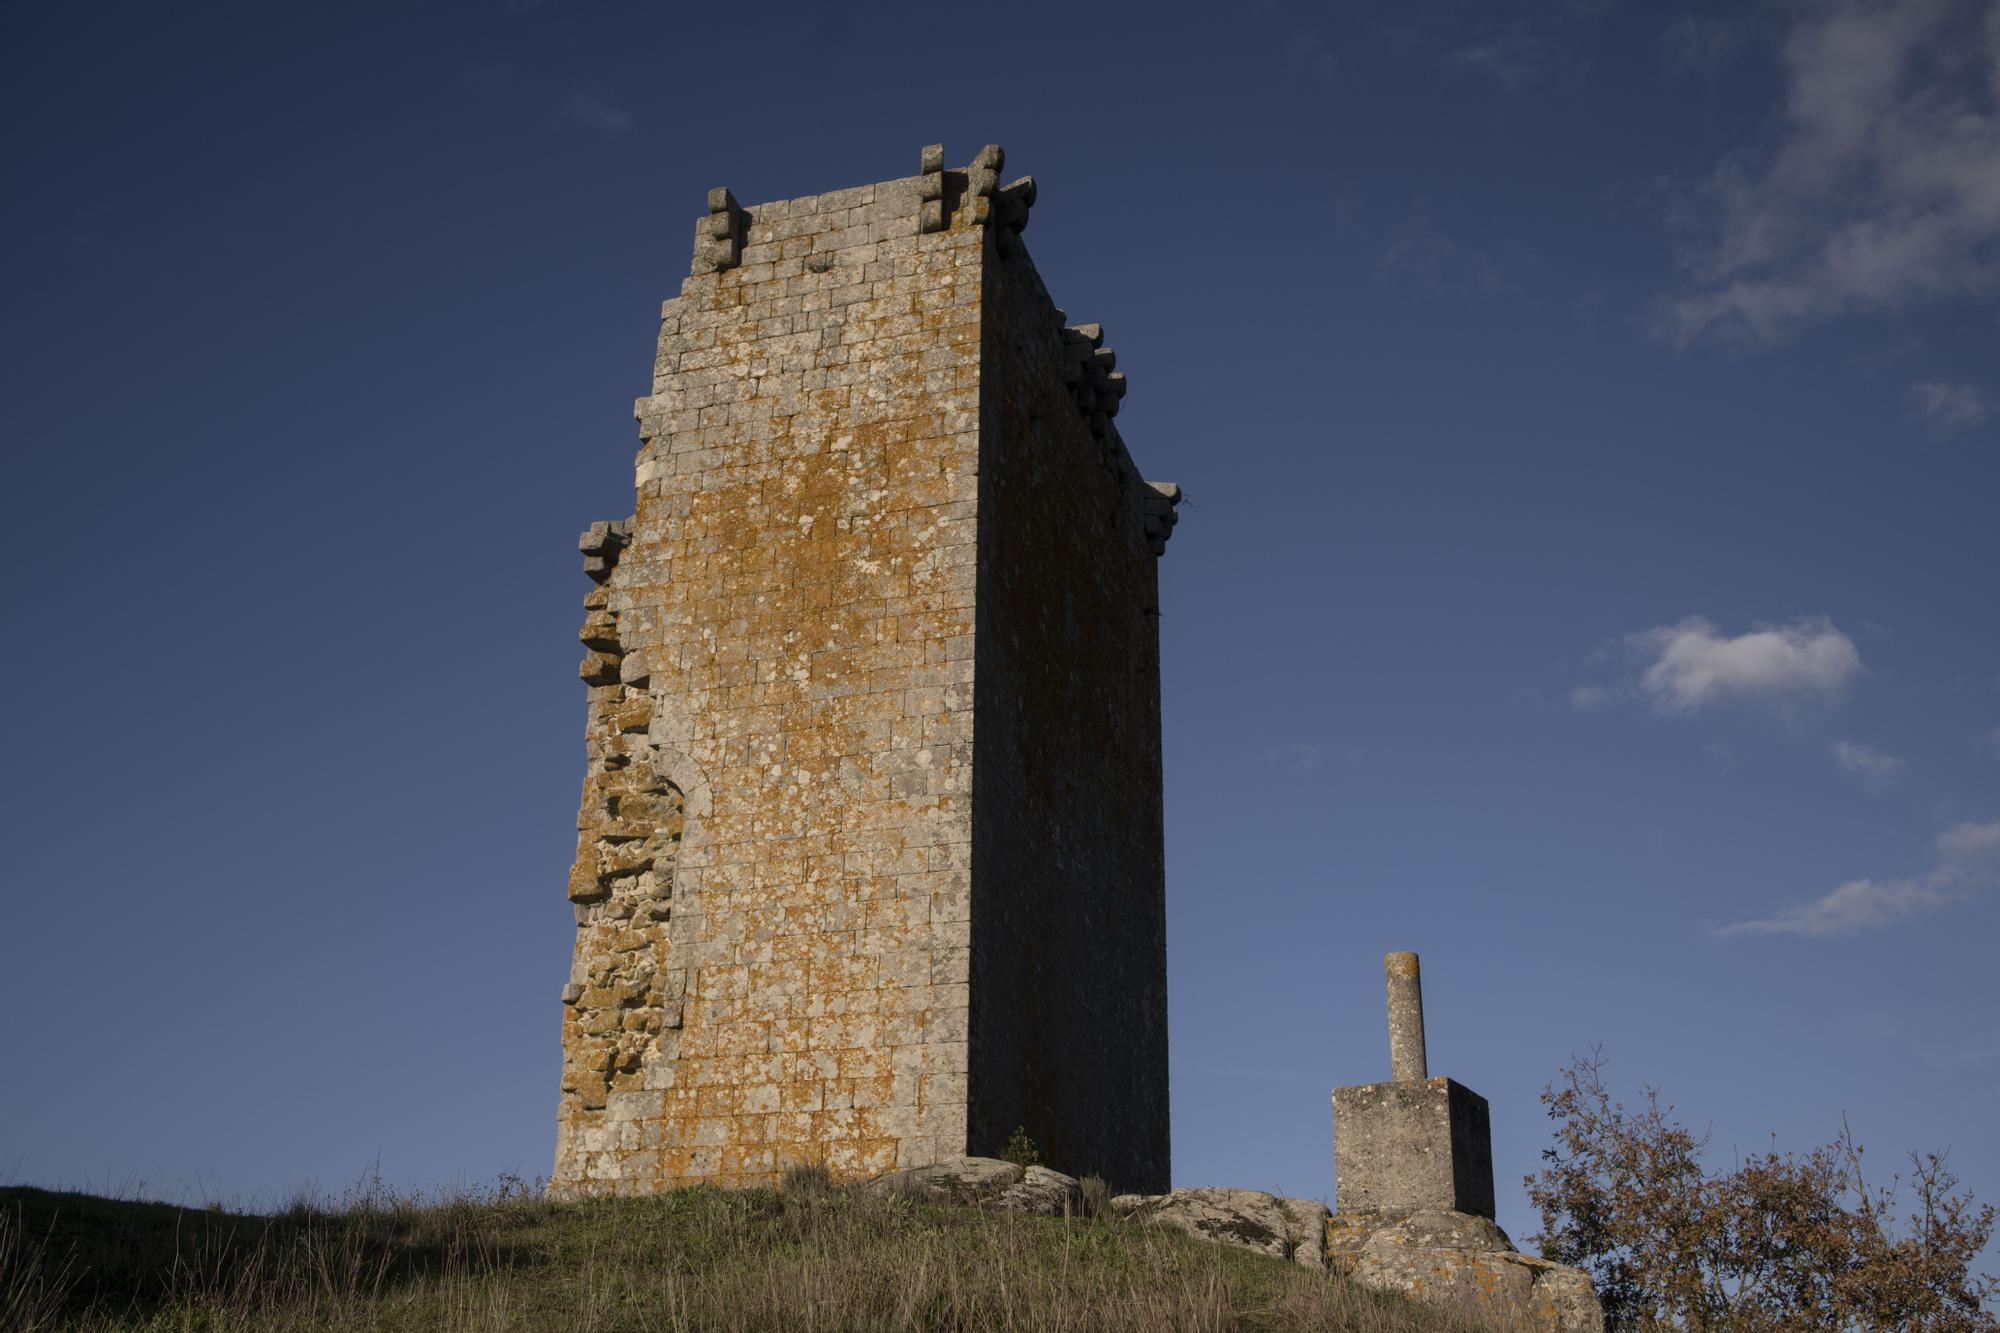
(809,1257)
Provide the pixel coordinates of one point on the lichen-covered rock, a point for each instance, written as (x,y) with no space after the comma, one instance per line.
(1462,1262)
(987,1182)
(1284,1228)
(1351,1233)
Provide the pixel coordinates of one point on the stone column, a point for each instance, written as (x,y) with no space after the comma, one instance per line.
(1407,1063)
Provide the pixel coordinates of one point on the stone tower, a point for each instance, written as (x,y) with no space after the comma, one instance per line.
(869,865)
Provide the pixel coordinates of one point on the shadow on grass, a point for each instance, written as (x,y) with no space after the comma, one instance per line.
(133,1256)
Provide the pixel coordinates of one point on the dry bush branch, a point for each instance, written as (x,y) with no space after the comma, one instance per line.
(1781,1241)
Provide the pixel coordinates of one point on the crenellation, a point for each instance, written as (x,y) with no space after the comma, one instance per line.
(719,236)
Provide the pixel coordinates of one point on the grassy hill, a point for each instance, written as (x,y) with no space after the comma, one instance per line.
(810,1256)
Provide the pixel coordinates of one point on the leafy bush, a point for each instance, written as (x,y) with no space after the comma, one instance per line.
(1781,1242)
(1096,1196)
(1021,1149)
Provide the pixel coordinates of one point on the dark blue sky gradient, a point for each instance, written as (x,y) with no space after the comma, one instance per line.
(324,325)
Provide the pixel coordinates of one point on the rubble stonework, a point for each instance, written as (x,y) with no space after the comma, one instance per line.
(869,865)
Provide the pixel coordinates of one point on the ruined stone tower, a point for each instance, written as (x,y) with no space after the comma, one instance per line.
(869,864)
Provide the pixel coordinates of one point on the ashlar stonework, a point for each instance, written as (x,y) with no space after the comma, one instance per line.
(869,866)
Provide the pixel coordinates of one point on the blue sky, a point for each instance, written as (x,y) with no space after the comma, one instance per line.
(1591,419)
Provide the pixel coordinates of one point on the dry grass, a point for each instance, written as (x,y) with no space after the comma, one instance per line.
(810,1256)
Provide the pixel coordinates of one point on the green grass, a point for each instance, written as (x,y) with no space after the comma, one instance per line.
(809,1257)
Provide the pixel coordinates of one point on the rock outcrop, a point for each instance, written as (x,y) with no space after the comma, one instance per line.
(1452,1260)
(1457,1260)
(1293,1229)
(987,1182)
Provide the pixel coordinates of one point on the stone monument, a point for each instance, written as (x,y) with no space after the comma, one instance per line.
(869,867)
(1415,1142)
(1413,1190)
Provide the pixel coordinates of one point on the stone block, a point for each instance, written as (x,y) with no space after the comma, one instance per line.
(1412,1147)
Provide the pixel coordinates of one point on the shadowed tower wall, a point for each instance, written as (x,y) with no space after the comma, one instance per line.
(868,867)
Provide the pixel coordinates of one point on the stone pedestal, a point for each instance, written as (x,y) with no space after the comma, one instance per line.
(1412,1147)
(1413,1180)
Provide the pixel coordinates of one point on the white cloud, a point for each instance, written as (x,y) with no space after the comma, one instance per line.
(1989,741)
(1852,906)
(1970,851)
(1588,697)
(1882,187)
(1693,666)
(1968,860)
(595,113)
(1876,770)
(1945,407)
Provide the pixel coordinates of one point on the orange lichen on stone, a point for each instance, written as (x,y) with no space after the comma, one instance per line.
(773,880)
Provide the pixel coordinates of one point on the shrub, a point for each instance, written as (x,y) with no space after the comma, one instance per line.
(1783,1241)
(1021,1149)
(808,1180)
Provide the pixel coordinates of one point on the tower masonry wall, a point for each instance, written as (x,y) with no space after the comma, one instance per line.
(791,911)
(1069,960)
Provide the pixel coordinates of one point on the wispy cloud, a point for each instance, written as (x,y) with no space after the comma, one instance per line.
(1968,859)
(1692,666)
(1989,741)
(1853,906)
(1946,407)
(1513,61)
(1882,185)
(593,112)
(1972,849)
(1592,697)
(1877,771)
(1704,46)
(1422,252)
(1313,55)
(1297,756)
(489,76)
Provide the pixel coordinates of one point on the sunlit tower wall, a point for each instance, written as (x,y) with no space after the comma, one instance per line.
(869,868)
